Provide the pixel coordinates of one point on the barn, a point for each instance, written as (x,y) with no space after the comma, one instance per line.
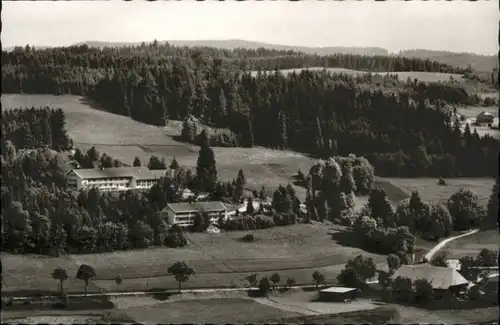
(484,118)
(442,279)
(338,294)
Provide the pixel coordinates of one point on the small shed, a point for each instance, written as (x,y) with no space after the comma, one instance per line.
(338,294)
(484,118)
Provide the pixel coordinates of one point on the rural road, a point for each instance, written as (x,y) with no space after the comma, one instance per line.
(173,291)
(436,248)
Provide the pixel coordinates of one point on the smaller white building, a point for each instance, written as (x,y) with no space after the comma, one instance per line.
(183,214)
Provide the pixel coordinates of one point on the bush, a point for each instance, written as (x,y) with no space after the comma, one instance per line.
(423,290)
(248,238)
(441,181)
(474,293)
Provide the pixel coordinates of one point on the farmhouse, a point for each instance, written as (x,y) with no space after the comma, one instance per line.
(183,214)
(338,294)
(441,278)
(114,179)
(484,118)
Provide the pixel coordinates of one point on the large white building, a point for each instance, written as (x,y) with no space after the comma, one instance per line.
(183,214)
(114,179)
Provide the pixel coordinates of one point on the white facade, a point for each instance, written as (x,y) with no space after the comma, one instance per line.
(80,179)
(186,218)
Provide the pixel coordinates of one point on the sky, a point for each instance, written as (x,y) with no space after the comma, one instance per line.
(458,26)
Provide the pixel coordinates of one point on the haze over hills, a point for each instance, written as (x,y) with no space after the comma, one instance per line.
(463,60)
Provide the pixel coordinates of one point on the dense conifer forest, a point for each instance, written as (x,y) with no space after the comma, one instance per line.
(402,126)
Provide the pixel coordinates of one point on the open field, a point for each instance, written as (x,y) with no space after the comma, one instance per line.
(219,259)
(430,190)
(473,244)
(411,315)
(124,138)
(207,311)
(422,76)
(305,302)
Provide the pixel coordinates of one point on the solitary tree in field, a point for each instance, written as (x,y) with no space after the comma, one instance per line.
(275,278)
(264,286)
(137,162)
(318,278)
(290,282)
(85,272)
(181,272)
(118,279)
(61,275)
(252,279)
(250,208)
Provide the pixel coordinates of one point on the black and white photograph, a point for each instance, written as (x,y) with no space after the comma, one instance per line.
(237,162)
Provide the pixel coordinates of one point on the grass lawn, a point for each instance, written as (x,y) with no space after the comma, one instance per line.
(473,244)
(430,190)
(124,138)
(411,315)
(377,316)
(207,311)
(219,260)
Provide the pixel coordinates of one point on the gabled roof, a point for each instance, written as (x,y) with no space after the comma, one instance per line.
(438,277)
(196,206)
(139,173)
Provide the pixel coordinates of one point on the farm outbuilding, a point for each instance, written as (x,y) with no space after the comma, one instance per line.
(442,279)
(338,294)
(484,118)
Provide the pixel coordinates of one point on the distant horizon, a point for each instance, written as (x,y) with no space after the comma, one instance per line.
(451,26)
(244,40)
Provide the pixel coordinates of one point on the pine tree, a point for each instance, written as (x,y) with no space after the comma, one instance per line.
(206,171)
(240,185)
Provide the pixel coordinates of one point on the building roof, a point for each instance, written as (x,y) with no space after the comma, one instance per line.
(196,206)
(139,173)
(438,277)
(338,290)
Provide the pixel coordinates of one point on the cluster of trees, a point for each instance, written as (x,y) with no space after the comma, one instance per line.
(181,272)
(266,284)
(332,184)
(35,128)
(41,215)
(248,223)
(387,231)
(94,159)
(462,211)
(357,271)
(315,112)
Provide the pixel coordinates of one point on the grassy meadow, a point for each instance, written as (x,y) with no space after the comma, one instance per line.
(219,260)
(430,190)
(403,75)
(473,244)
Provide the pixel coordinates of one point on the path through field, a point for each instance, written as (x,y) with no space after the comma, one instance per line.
(441,244)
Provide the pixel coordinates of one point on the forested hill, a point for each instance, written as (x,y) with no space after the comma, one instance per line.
(234,44)
(403,127)
(462,60)
(485,63)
